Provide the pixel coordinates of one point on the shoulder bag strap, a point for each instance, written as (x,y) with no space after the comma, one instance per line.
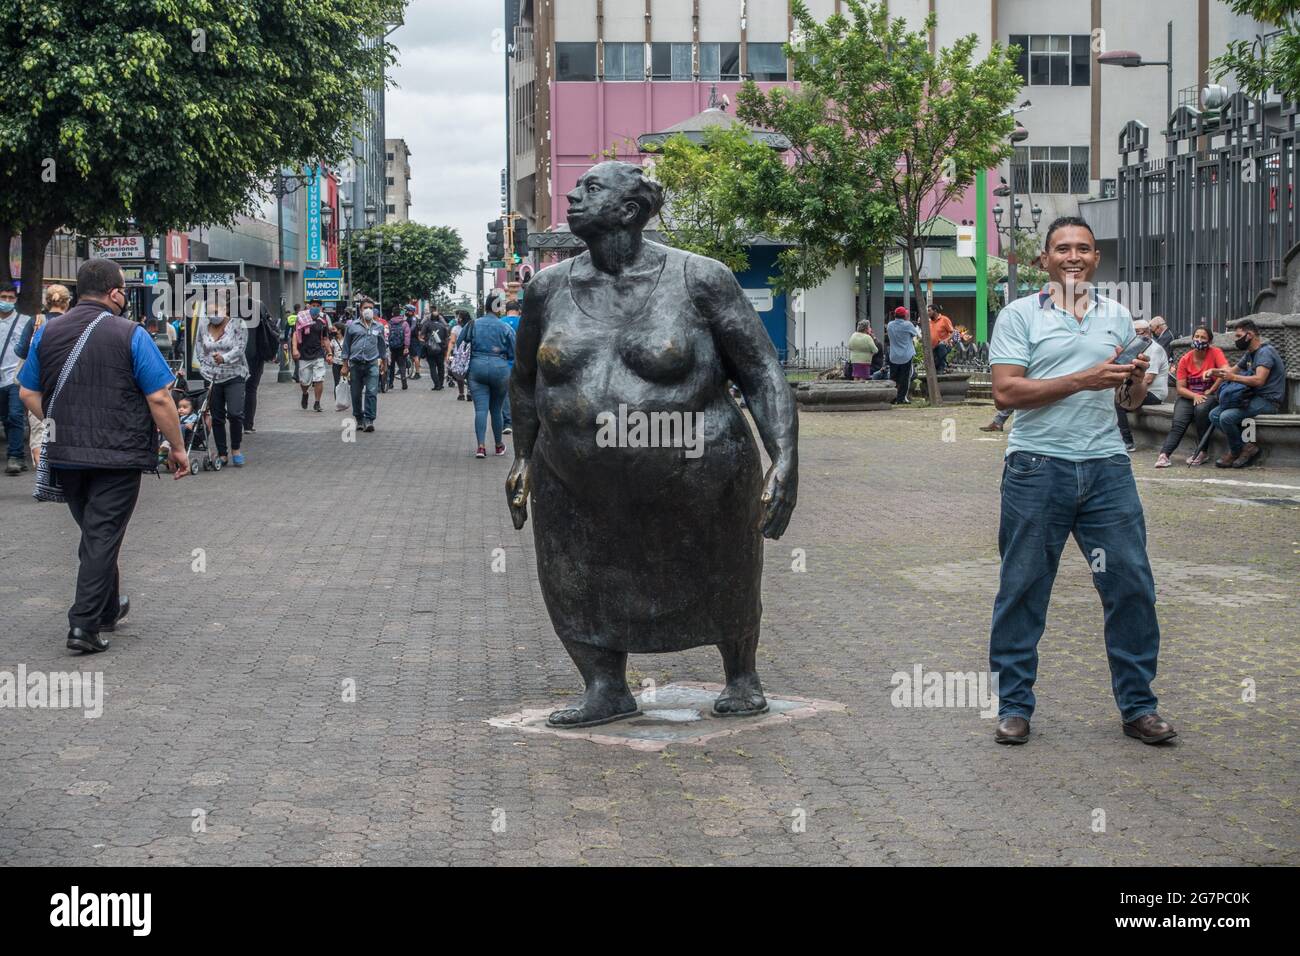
(72,361)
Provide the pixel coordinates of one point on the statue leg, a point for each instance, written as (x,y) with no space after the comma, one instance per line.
(607,697)
(743,695)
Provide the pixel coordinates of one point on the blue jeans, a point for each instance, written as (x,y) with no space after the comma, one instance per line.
(1044,501)
(363,381)
(489,380)
(15,419)
(1229,419)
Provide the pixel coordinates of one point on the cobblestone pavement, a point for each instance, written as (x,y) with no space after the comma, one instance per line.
(226,737)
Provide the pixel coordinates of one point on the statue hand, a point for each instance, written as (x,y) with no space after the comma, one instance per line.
(779,493)
(518,486)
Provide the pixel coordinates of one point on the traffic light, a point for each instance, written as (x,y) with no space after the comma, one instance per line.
(521,239)
(496,240)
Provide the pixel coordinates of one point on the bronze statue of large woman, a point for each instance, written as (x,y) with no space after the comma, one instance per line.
(649,501)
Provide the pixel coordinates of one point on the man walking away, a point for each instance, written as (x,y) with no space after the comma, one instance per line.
(311,351)
(902,351)
(364,349)
(102,433)
(1262,371)
(417,340)
(511,318)
(12,326)
(1053,359)
(436,333)
(940,337)
(263,346)
(399,345)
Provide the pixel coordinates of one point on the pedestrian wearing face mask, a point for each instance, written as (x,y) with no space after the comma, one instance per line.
(1263,373)
(365,347)
(219,347)
(101,382)
(311,349)
(14,327)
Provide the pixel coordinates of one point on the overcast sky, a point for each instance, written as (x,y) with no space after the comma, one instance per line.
(448,103)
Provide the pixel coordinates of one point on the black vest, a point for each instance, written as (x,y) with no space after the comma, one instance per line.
(101,419)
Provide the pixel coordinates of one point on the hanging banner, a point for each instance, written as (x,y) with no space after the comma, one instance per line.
(313,215)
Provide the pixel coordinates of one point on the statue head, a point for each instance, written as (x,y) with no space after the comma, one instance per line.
(613,196)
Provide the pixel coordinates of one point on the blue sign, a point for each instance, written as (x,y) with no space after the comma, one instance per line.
(322,273)
(327,290)
(313,215)
(150,277)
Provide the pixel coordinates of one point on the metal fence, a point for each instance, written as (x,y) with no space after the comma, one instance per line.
(1207,226)
(814,359)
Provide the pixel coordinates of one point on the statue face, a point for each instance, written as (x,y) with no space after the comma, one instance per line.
(600,203)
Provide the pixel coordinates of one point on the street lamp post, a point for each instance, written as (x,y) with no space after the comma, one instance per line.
(347,231)
(284,374)
(1131,59)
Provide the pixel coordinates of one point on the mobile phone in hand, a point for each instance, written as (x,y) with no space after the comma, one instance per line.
(1132,349)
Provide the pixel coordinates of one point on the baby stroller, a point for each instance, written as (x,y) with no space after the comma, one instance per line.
(198,446)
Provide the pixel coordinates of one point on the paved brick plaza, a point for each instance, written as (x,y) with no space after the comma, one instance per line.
(371,562)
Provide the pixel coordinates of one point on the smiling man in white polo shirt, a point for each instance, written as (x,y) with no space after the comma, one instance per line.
(1066,473)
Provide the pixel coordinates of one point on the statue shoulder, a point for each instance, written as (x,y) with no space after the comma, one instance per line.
(544,281)
(709,277)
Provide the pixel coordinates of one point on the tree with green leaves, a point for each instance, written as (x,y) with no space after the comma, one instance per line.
(1274,66)
(890,132)
(430,260)
(1029,245)
(707,192)
(175,114)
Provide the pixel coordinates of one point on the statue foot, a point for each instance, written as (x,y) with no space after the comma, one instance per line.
(742,697)
(597,708)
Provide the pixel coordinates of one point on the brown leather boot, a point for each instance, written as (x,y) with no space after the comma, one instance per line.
(1249,452)
(1012,730)
(1226,461)
(1150,729)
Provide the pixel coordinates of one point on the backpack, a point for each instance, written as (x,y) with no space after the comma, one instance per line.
(268,339)
(460,356)
(397,335)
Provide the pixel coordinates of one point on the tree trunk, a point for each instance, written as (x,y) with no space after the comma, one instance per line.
(927,349)
(864,305)
(6,240)
(36,238)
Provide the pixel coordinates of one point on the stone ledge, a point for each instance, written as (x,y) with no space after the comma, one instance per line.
(1279,435)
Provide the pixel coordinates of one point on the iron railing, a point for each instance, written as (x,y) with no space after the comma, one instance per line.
(1205,228)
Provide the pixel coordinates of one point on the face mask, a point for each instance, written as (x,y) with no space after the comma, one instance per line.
(367,314)
(7,307)
(1242,342)
(314,311)
(1200,345)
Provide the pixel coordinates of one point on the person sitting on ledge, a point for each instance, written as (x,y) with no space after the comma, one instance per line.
(1262,372)
(1197,394)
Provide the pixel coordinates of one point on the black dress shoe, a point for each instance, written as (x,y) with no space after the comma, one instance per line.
(1012,730)
(1150,729)
(123,608)
(88,642)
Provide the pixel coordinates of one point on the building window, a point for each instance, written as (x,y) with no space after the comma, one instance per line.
(1054,59)
(389,157)
(390,181)
(720,61)
(575,61)
(766,61)
(625,61)
(391,209)
(671,61)
(1050,169)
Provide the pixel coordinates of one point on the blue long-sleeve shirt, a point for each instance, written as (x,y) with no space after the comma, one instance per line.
(365,343)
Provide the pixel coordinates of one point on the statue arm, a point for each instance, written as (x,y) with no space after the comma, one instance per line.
(750,360)
(523,400)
